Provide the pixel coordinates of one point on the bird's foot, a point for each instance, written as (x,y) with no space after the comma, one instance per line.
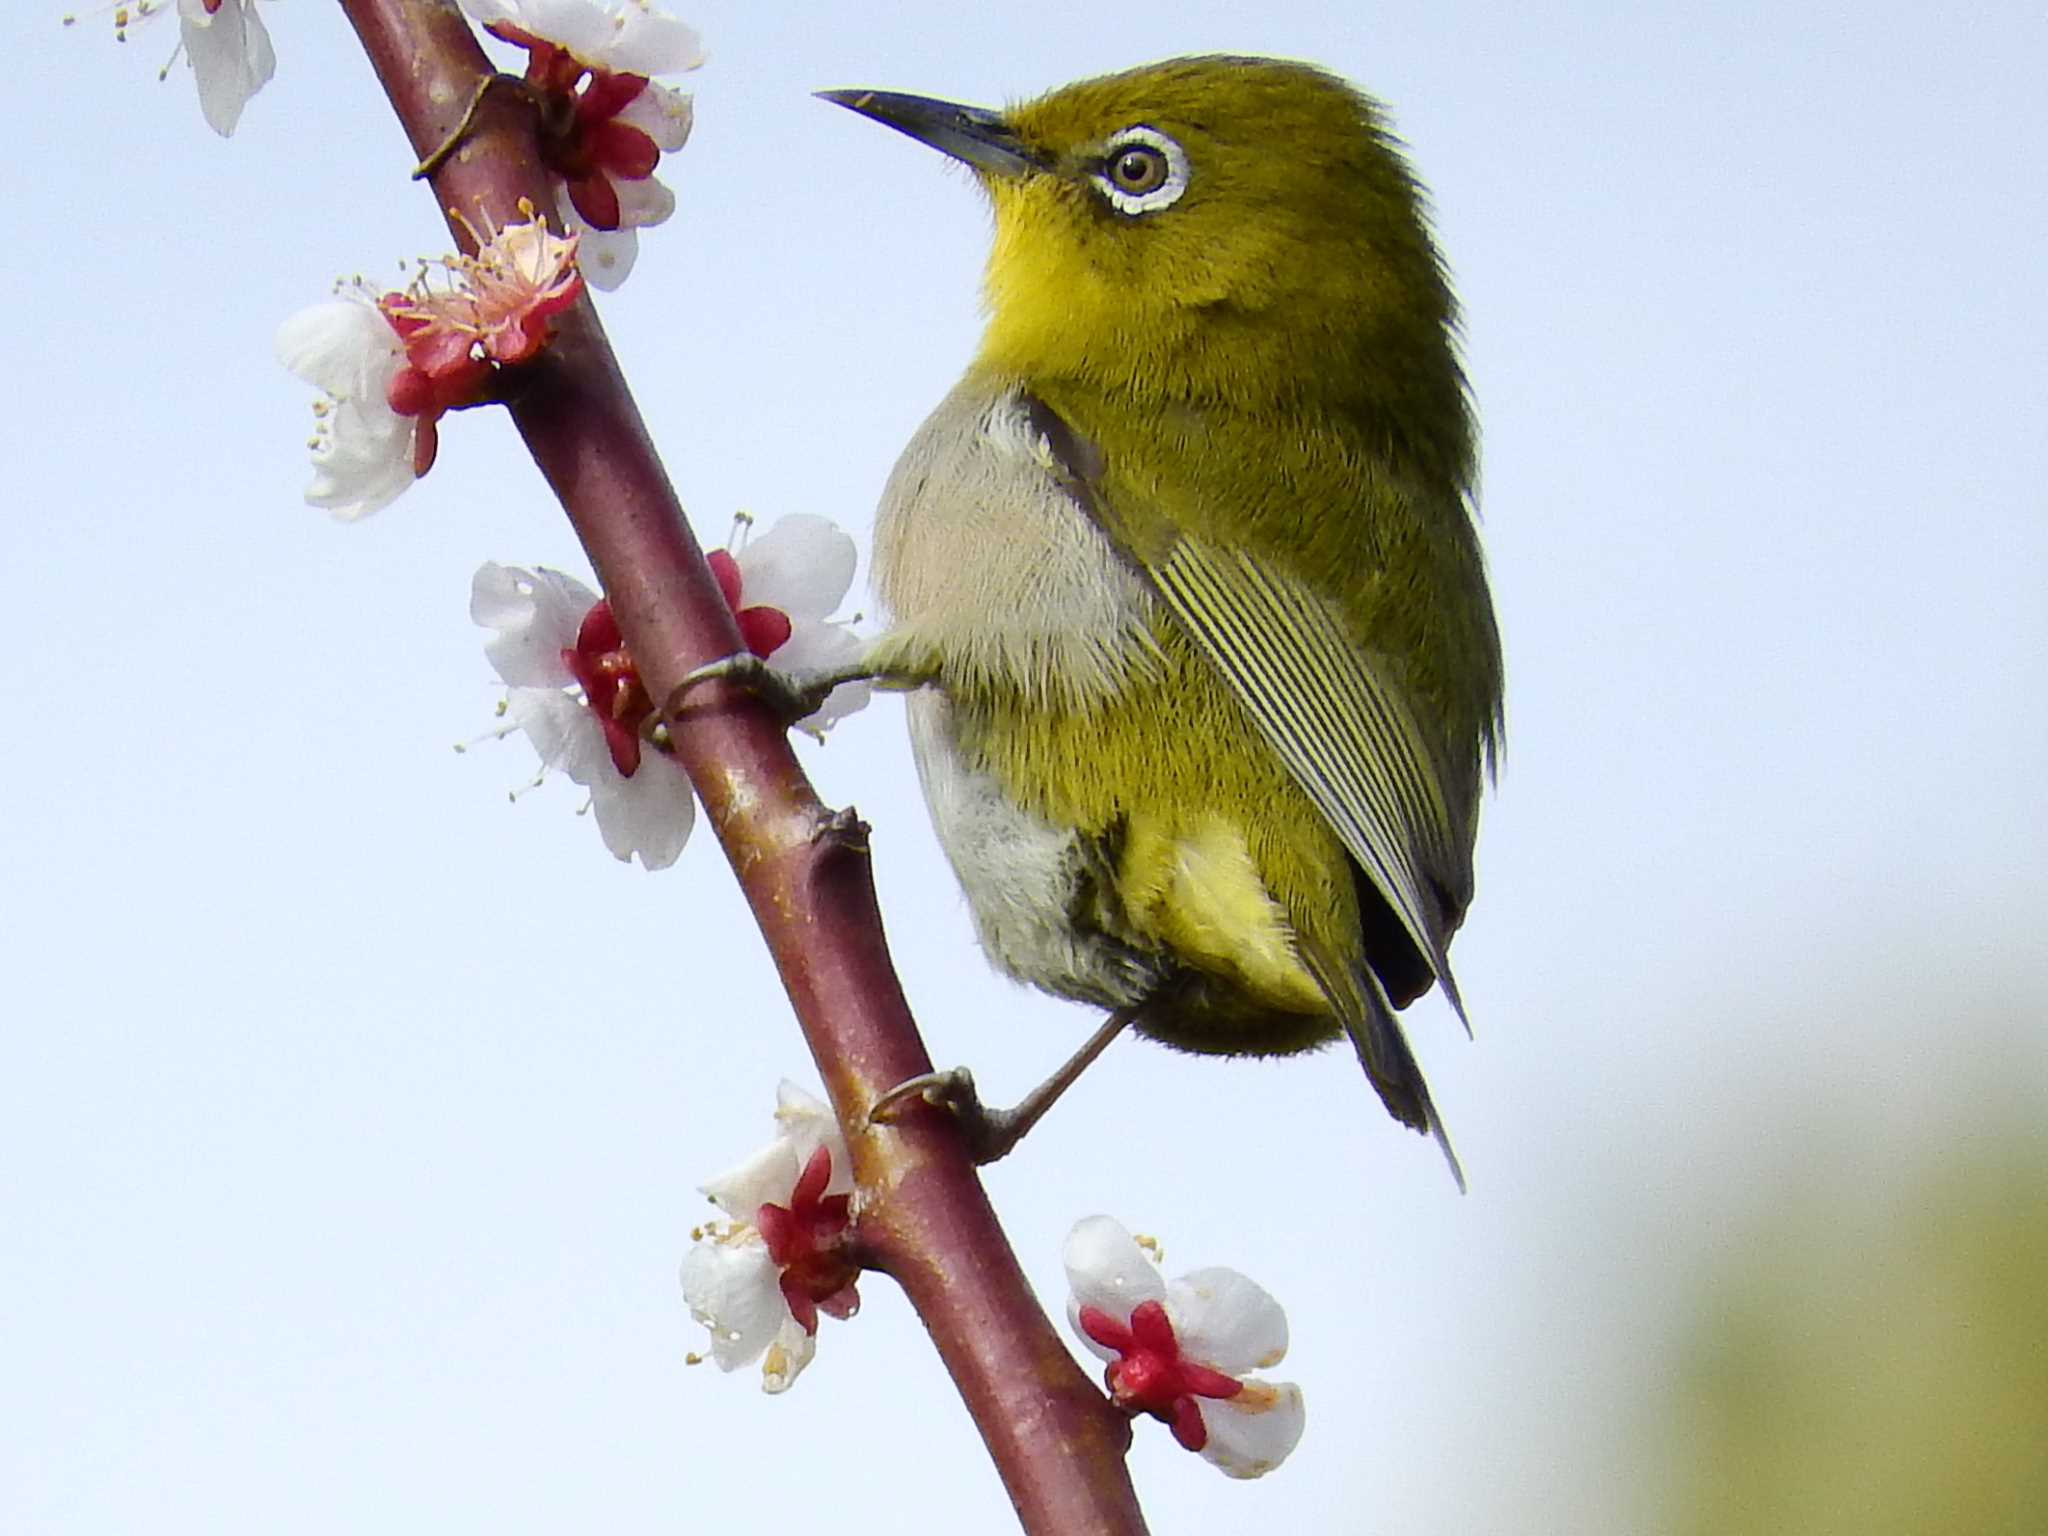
(792,695)
(991,1133)
(994,1133)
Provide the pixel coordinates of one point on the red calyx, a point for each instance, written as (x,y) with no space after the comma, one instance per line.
(611,684)
(764,629)
(439,375)
(581,140)
(1152,1376)
(598,661)
(807,1240)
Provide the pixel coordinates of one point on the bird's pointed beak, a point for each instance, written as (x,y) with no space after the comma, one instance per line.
(972,135)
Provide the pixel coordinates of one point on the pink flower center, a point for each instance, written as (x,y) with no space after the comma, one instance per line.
(1151,1374)
(495,313)
(807,1240)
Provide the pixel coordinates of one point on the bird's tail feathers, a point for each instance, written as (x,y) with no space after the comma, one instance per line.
(1391,1066)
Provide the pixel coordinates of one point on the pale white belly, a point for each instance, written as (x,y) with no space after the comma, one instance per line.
(1026,880)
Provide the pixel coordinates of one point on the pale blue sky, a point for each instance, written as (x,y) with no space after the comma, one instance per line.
(351,1116)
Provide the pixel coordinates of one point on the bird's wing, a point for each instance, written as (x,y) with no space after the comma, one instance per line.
(1346,734)
(1333,712)
(1337,721)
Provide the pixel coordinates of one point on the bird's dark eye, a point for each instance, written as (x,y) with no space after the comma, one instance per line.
(1142,171)
(1138,169)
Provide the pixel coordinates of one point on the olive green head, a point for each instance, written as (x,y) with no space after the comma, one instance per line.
(1228,228)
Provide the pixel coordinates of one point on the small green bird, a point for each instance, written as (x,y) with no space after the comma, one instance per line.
(1184,569)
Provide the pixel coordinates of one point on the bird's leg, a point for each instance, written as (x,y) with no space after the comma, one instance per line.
(792,695)
(993,1133)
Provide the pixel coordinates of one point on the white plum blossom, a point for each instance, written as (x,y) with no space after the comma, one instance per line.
(363,450)
(542,620)
(575,692)
(759,1278)
(1183,1351)
(390,365)
(610,122)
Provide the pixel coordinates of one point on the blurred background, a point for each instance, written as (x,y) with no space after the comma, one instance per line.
(351,1116)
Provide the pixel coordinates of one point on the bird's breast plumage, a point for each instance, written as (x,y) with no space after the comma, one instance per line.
(989,571)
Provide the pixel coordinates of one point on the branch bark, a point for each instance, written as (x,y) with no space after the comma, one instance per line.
(805,871)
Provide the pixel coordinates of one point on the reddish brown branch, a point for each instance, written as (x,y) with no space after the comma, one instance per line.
(805,871)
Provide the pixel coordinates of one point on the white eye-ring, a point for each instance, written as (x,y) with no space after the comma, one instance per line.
(1142,171)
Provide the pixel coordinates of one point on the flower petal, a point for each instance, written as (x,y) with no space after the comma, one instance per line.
(363,463)
(342,346)
(584,28)
(765,1178)
(562,729)
(536,614)
(732,1288)
(363,450)
(604,256)
(787,1356)
(816,647)
(803,565)
(485,12)
(1224,1320)
(804,1124)
(629,37)
(664,115)
(231,58)
(644,201)
(1107,1270)
(648,42)
(650,814)
(1252,1433)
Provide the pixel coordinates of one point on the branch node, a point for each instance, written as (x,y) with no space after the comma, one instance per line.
(843,829)
(439,157)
